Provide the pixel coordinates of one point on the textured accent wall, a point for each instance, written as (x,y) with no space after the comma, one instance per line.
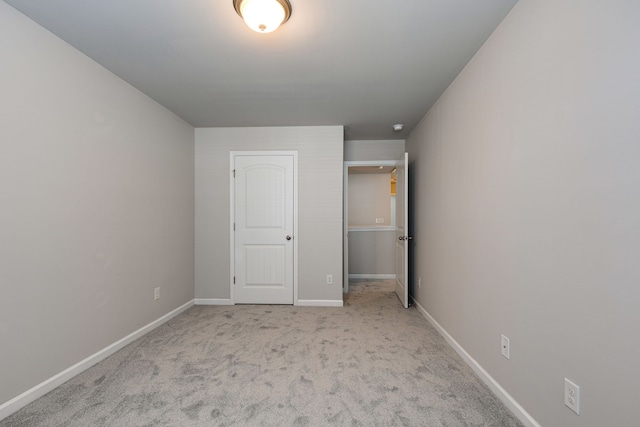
(320,169)
(389,149)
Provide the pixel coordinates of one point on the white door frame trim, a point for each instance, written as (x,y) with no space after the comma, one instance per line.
(232,267)
(345,214)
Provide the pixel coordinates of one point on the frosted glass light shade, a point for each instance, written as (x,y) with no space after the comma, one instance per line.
(263,16)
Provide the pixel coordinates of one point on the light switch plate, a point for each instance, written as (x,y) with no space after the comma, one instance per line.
(504,346)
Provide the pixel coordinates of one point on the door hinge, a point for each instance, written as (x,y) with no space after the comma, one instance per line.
(234,226)
(234,280)
(234,173)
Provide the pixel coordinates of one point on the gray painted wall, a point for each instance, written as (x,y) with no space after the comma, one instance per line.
(526,187)
(320,157)
(373,149)
(372,252)
(96,188)
(369,199)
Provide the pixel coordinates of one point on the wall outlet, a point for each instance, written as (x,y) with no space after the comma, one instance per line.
(329,279)
(572,396)
(156,294)
(379,220)
(504,346)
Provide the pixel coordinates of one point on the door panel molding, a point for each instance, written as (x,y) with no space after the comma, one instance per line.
(233,155)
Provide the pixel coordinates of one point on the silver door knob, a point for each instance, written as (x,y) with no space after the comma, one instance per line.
(289,237)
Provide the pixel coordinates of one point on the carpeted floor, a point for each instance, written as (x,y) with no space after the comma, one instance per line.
(370,363)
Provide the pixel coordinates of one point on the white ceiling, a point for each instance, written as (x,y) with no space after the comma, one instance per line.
(364,64)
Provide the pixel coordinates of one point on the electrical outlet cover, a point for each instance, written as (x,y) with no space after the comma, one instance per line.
(572,395)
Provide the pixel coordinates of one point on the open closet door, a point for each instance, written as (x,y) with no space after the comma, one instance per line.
(402,230)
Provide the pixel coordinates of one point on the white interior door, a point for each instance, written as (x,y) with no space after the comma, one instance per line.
(402,230)
(264,229)
(345,229)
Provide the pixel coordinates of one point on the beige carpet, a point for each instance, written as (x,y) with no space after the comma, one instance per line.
(370,363)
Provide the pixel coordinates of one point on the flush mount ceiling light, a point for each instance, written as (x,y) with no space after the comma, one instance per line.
(263,16)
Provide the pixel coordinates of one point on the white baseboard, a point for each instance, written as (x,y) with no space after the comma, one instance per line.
(502,394)
(213,301)
(301,302)
(46,386)
(320,303)
(372,276)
